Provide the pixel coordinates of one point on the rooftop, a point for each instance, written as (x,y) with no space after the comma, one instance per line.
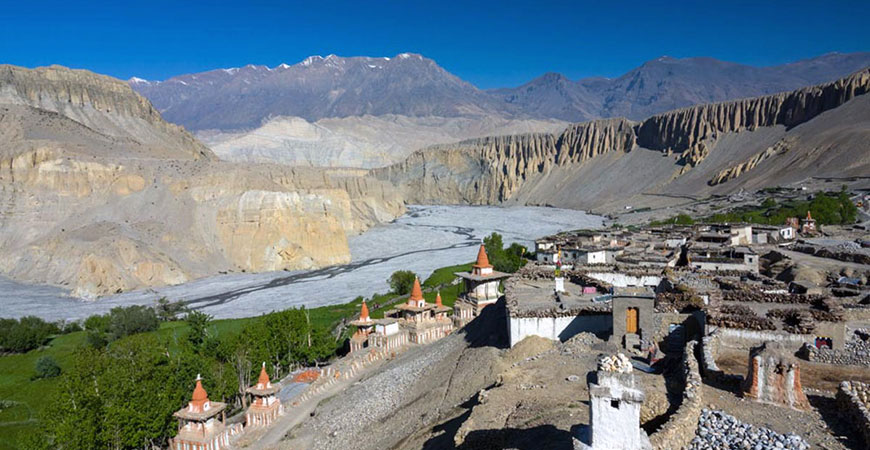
(536,298)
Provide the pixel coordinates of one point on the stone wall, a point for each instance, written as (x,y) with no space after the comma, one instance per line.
(852,400)
(745,339)
(856,351)
(679,430)
(709,369)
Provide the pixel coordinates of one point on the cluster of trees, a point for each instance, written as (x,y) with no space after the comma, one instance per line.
(28,333)
(826,209)
(122,394)
(120,322)
(507,260)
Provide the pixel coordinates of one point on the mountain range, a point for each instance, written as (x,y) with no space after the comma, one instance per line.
(412,85)
(370,112)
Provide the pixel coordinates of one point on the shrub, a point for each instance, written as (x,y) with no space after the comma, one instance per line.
(168,311)
(120,322)
(401,281)
(72,327)
(25,334)
(46,367)
(131,320)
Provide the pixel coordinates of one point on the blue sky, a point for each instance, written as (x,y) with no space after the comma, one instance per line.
(489,43)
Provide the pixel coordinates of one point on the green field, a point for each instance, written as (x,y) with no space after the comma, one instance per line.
(21,398)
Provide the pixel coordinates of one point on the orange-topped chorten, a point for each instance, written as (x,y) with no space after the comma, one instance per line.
(481,288)
(200,397)
(438,300)
(482,258)
(265,405)
(263,382)
(364,312)
(416,294)
(202,423)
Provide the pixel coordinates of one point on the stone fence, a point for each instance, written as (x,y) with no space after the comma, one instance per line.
(709,369)
(746,339)
(847,357)
(679,430)
(852,401)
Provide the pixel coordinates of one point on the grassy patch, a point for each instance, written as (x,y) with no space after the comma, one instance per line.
(26,396)
(29,395)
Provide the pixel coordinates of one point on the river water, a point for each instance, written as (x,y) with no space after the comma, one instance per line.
(424,239)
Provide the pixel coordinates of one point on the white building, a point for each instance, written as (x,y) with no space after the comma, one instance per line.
(614,413)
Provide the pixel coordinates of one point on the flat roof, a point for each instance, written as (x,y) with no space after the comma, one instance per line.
(537,298)
(214,409)
(493,276)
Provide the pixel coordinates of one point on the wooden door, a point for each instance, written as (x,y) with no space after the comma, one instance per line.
(631,320)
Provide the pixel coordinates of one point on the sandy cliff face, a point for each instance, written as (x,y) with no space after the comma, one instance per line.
(99,194)
(540,168)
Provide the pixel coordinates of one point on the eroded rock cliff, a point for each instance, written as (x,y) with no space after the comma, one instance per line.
(497,169)
(99,194)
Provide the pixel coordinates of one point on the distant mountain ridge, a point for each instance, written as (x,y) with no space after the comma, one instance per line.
(669,83)
(412,85)
(315,88)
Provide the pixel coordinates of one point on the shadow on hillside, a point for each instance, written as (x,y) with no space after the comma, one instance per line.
(446,432)
(830,412)
(489,329)
(541,437)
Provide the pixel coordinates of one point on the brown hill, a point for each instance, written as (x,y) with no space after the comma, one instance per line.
(100,194)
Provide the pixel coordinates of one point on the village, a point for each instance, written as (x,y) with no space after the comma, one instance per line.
(755,313)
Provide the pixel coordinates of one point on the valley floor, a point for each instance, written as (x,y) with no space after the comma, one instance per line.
(426,238)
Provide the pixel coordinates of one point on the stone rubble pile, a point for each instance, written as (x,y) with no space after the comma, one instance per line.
(718,430)
(618,363)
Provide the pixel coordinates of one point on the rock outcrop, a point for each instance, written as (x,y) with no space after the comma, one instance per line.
(494,170)
(100,195)
(735,171)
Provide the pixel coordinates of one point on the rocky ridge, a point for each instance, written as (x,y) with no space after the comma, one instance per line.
(493,170)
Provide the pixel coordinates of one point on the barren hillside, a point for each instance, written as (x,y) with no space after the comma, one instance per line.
(100,195)
(719,148)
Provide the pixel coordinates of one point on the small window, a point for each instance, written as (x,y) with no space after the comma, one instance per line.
(614,404)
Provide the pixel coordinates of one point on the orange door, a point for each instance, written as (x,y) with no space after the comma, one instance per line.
(631,320)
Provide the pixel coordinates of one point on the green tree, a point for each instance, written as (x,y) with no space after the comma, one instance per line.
(25,334)
(504,260)
(168,311)
(401,281)
(131,320)
(198,322)
(46,367)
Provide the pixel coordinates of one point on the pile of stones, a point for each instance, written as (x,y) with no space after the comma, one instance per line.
(618,363)
(718,430)
(768,297)
(741,322)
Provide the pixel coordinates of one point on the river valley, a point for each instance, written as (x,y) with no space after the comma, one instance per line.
(424,239)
